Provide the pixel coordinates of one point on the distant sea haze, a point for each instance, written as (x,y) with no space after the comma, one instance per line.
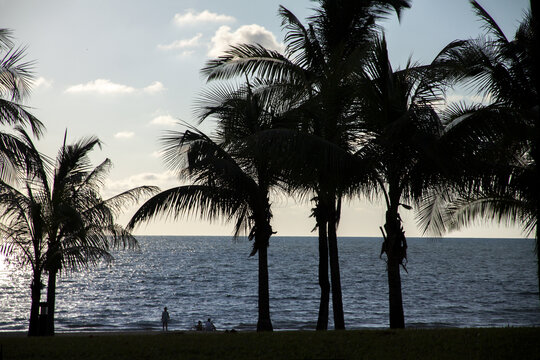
(450,283)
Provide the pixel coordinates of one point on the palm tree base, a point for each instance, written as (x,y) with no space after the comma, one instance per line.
(264,325)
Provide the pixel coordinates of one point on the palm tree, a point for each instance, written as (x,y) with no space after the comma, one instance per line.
(24,239)
(500,137)
(15,82)
(401,132)
(60,220)
(317,68)
(232,176)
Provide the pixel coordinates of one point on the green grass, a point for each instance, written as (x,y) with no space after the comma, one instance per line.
(498,343)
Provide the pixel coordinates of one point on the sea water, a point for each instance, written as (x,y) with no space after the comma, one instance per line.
(449,283)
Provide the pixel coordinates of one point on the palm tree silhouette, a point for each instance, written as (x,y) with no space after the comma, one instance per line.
(317,70)
(24,238)
(60,221)
(499,139)
(232,175)
(402,132)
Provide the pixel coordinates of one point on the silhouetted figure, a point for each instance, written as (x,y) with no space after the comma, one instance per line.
(165,319)
(199,326)
(209,325)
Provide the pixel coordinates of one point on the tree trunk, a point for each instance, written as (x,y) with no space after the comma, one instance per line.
(337,302)
(51,299)
(397,318)
(33,328)
(264,323)
(324,283)
(395,248)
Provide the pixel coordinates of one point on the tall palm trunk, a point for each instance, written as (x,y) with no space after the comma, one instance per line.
(51,299)
(395,247)
(53,266)
(324,283)
(33,328)
(264,323)
(337,302)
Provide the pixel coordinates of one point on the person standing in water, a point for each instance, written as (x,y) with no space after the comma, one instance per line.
(165,319)
(209,326)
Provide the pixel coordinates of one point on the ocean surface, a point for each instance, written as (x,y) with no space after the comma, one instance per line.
(450,283)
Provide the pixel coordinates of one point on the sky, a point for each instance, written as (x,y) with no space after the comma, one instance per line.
(127,71)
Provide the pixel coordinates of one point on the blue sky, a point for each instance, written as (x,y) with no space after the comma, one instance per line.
(126,71)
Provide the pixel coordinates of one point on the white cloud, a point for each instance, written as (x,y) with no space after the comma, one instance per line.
(246,34)
(182,44)
(41,82)
(164,180)
(163,120)
(191,17)
(107,87)
(124,134)
(154,88)
(100,86)
(186,53)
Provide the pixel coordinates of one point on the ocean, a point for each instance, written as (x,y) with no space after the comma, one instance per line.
(450,282)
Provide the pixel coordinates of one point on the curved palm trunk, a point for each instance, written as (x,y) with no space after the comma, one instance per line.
(337,301)
(395,247)
(324,283)
(51,299)
(264,323)
(33,328)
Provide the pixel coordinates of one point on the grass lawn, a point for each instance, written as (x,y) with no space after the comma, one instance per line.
(489,343)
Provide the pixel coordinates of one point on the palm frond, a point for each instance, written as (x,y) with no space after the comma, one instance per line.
(208,202)
(432,215)
(6,36)
(205,161)
(12,113)
(490,24)
(302,46)
(97,175)
(249,59)
(129,197)
(36,164)
(503,210)
(72,160)
(15,75)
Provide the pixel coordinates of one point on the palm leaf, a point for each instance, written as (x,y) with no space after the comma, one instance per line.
(249,59)
(208,202)
(128,197)
(489,23)
(15,75)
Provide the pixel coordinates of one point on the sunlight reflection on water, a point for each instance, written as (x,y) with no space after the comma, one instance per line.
(451,282)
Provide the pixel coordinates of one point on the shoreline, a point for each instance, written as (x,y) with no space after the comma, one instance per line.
(4,334)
